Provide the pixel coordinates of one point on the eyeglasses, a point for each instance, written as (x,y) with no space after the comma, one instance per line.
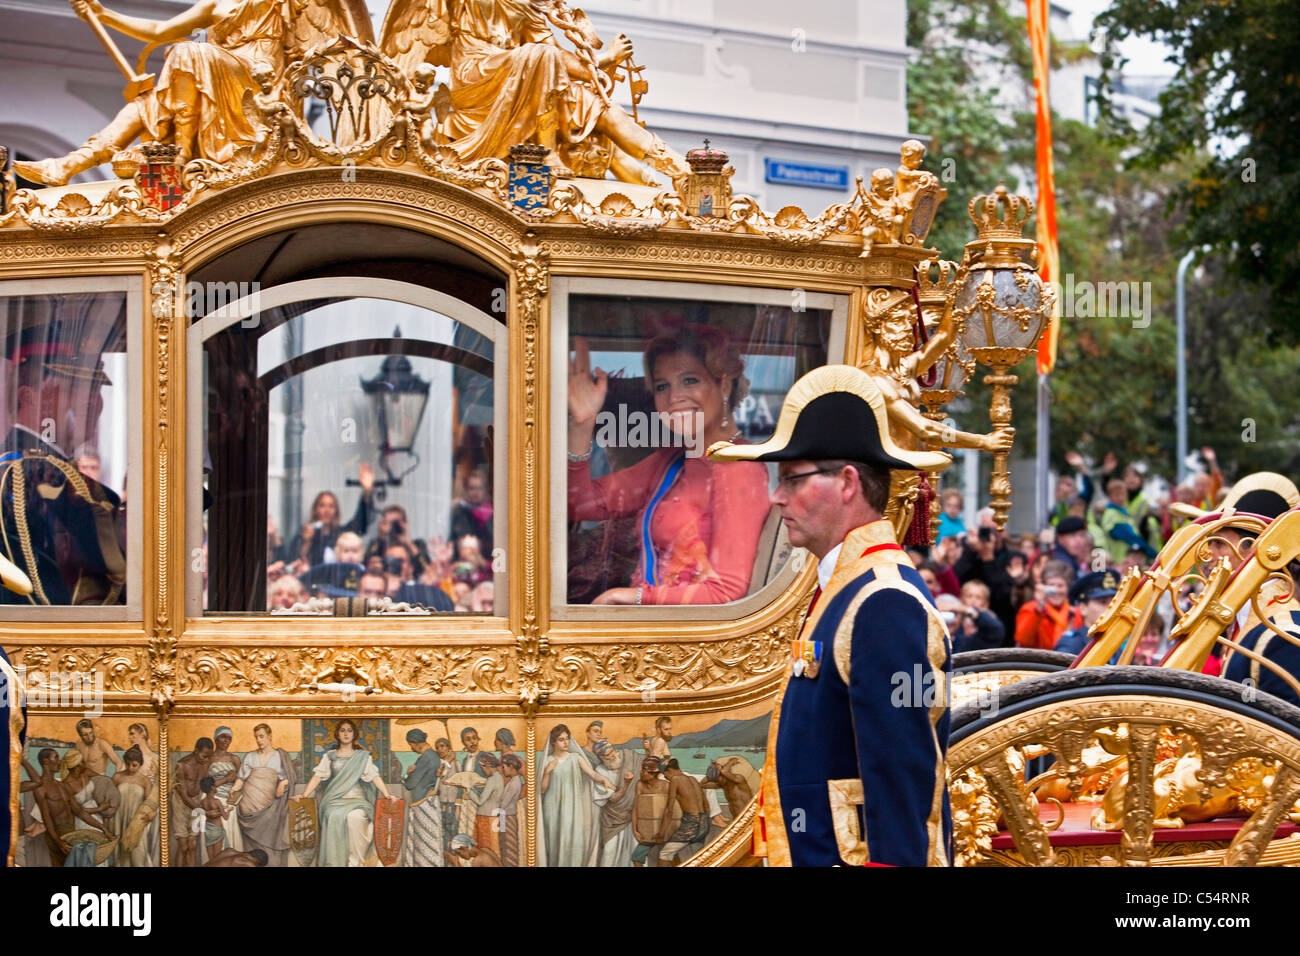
(788,481)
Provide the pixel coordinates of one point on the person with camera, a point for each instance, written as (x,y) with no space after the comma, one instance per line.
(1041,622)
(399,568)
(972,628)
(314,543)
(984,558)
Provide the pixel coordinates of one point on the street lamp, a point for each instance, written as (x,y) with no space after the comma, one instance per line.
(1181,358)
(1005,307)
(399,397)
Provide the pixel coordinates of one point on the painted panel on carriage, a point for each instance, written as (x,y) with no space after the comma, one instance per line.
(331,791)
(650,790)
(89,792)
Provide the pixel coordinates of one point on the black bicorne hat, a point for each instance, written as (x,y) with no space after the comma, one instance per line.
(833,412)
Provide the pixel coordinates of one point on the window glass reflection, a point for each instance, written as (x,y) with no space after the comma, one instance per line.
(64,460)
(361,432)
(652,383)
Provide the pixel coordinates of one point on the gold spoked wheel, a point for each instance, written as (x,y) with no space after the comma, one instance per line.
(1128,766)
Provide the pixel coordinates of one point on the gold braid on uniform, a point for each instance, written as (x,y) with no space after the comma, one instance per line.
(79,487)
(15,473)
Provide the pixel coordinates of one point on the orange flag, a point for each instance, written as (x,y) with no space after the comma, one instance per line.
(1049,255)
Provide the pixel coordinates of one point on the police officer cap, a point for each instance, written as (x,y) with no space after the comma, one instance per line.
(1097,586)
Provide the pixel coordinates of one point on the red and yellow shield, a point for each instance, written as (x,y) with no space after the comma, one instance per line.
(390,827)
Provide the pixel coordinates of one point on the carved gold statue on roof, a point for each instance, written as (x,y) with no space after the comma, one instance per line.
(511,82)
(196,102)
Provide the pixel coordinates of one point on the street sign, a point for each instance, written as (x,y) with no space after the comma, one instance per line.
(803,174)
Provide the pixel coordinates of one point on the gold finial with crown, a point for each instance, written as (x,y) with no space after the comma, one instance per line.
(706,190)
(935,280)
(999,215)
(999,219)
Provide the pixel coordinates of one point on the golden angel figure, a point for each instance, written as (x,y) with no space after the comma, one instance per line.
(197,101)
(512,83)
(894,361)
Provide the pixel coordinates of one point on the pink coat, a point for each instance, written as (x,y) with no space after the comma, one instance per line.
(704,530)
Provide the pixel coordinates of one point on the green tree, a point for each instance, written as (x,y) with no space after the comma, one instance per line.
(1113,389)
(950,103)
(1233,110)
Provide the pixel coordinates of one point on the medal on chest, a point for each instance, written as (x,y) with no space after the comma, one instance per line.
(806,657)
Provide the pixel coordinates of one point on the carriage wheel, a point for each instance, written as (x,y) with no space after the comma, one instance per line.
(976,674)
(1132,751)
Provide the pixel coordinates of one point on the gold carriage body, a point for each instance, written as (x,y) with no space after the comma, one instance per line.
(487,232)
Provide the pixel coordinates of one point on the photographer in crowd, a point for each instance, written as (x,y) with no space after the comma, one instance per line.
(972,628)
(1041,622)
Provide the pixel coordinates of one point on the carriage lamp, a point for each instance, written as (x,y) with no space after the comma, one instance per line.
(1005,308)
(399,397)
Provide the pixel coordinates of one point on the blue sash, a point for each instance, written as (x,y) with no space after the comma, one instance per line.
(647,546)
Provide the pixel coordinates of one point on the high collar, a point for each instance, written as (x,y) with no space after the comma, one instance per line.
(880,531)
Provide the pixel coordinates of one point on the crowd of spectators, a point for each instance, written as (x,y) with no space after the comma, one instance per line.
(1045,590)
(327,558)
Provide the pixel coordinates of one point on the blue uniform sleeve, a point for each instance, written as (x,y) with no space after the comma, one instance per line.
(898,693)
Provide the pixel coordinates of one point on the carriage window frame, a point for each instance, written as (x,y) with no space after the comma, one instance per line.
(562,288)
(132,285)
(341,287)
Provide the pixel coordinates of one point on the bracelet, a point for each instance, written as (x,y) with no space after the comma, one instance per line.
(585,456)
(638,594)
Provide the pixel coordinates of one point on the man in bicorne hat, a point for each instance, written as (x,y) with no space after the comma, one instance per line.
(855,760)
(62,528)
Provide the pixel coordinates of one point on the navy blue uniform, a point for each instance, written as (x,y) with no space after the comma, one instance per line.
(74,529)
(875,715)
(1281,652)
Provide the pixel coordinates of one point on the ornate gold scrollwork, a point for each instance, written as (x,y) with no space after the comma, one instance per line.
(532,284)
(1181,761)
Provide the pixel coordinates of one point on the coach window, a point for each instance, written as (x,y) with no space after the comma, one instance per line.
(348,444)
(647,376)
(71,463)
